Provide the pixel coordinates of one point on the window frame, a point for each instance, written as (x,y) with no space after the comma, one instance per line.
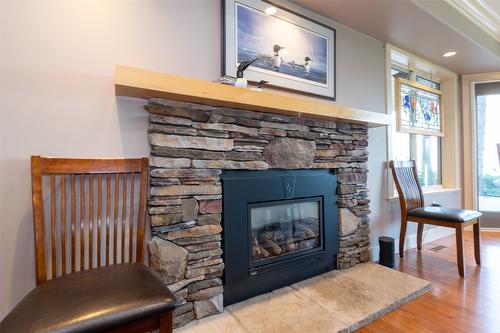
(413,137)
(449,147)
(469,134)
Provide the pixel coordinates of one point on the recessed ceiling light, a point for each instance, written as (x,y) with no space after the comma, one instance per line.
(449,54)
(271,10)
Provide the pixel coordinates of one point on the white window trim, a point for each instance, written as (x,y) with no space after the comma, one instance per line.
(450,147)
(469,134)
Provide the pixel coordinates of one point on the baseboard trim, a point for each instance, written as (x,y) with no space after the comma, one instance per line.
(490,229)
(429,235)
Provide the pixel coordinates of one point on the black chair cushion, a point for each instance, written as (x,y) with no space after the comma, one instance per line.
(91,301)
(445,214)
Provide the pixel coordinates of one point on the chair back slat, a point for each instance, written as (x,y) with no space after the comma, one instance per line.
(90,229)
(73,222)
(99,215)
(63,224)
(405,177)
(83,191)
(124,212)
(53,224)
(131,226)
(108,209)
(115,218)
(82,221)
(141,213)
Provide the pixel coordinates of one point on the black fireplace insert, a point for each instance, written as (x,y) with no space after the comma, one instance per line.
(280,227)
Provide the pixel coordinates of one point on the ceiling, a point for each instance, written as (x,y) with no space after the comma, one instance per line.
(425,28)
(485,14)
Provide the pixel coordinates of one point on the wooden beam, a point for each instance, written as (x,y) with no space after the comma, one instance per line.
(141,83)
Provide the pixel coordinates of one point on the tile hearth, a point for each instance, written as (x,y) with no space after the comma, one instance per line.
(338,301)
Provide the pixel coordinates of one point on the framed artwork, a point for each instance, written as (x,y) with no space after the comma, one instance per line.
(292,51)
(419,108)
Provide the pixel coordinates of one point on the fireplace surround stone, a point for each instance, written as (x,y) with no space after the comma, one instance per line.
(190,146)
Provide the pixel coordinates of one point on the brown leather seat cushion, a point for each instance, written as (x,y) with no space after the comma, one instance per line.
(446,214)
(90,301)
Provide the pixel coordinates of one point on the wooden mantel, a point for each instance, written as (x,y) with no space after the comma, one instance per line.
(141,83)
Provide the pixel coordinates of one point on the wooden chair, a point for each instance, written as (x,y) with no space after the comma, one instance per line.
(411,200)
(89,255)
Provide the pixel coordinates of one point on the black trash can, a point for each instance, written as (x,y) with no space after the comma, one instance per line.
(386,252)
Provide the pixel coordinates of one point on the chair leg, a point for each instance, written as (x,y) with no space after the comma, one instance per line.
(477,242)
(420,232)
(460,250)
(166,322)
(402,236)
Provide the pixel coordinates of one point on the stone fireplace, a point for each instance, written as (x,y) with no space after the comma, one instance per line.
(196,148)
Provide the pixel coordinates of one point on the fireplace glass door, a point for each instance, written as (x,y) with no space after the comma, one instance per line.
(284,228)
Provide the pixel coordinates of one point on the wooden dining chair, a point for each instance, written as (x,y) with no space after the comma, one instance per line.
(413,209)
(89,221)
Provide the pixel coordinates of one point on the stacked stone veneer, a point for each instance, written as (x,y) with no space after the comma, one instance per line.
(190,146)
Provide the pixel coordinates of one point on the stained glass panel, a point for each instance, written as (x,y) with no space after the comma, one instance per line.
(419,108)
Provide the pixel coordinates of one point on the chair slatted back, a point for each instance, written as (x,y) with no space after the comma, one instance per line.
(87,213)
(405,177)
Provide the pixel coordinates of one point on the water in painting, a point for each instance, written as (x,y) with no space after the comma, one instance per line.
(281,46)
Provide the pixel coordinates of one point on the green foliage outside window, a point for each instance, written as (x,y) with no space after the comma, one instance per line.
(433,178)
(490,186)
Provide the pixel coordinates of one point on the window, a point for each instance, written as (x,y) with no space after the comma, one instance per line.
(488,146)
(427,82)
(437,157)
(424,149)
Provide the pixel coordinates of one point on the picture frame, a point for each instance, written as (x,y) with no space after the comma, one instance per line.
(419,108)
(293,51)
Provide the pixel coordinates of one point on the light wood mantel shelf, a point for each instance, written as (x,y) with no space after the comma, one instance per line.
(140,83)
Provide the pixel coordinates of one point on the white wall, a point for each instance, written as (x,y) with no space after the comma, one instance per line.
(57,94)
(57,98)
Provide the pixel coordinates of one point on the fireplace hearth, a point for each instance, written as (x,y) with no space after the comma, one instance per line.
(279,227)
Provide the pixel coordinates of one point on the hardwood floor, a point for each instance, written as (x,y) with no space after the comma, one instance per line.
(470,304)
